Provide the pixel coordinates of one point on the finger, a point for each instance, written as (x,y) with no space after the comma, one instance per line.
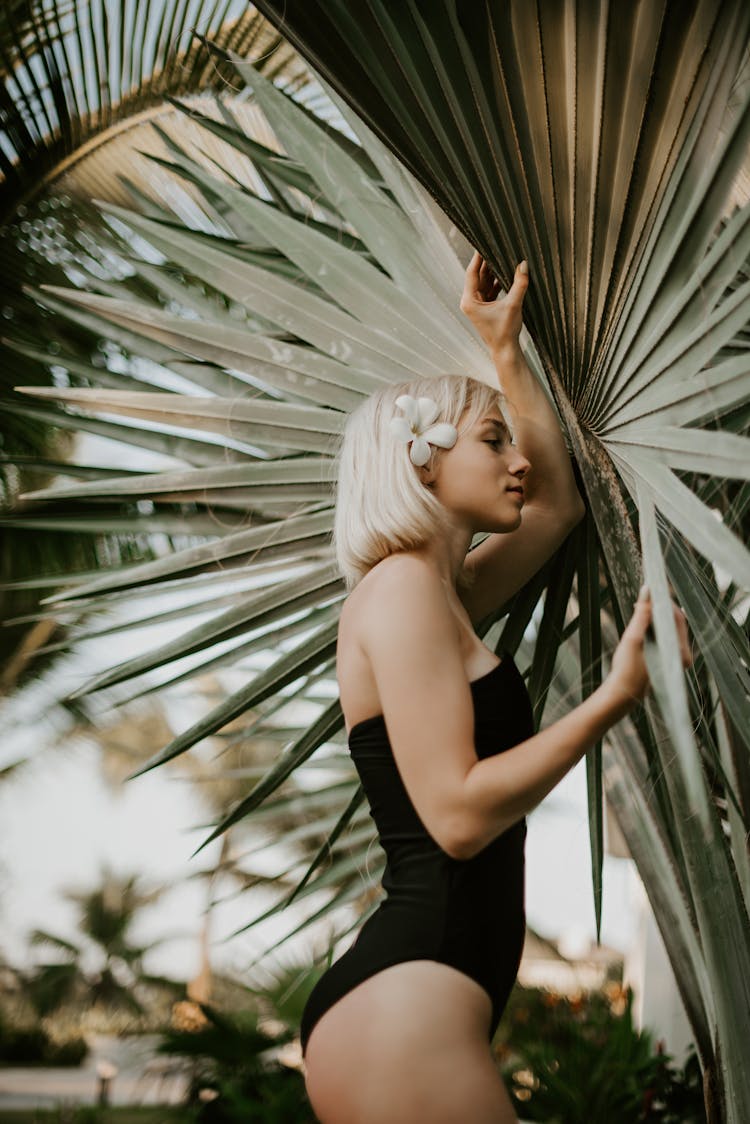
(517,291)
(640,622)
(471,280)
(682,627)
(471,275)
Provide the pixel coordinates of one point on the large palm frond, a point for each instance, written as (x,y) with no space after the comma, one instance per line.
(252,497)
(75,71)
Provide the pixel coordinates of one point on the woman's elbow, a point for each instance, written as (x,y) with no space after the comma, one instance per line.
(462,842)
(480,824)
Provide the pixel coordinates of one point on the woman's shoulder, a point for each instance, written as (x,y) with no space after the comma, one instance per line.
(401,592)
(403,565)
(393,603)
(395,573)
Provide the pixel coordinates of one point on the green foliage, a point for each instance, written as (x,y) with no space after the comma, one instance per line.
(33,1046)
(42,43)
(581,1060)
(48,986)
(286,987)
(284,311)
(230,1057)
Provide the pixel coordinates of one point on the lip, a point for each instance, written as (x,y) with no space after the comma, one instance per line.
(516,492)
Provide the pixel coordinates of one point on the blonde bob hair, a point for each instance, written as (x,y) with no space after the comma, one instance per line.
(382,505)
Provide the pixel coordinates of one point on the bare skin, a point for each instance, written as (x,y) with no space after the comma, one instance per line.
(407,1045)
(410,1044)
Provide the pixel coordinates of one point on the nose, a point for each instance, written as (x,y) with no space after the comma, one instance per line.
(521,465)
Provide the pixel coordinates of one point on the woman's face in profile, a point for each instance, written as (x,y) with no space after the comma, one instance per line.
(472,480)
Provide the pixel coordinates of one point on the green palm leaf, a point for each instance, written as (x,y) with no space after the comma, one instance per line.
(71,71)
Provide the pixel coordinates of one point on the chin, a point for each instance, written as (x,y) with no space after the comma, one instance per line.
(509,523)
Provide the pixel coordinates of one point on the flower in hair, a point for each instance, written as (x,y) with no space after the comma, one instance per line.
(415,426)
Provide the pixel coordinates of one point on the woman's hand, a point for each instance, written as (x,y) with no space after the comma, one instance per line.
(498,322)
(628,677)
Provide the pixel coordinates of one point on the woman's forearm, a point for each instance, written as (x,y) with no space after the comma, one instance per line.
(500,790)
(550,479)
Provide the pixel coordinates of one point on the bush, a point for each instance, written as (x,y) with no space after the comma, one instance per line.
(33,1046)
(233,1078)
(578,1060)
(70,1052)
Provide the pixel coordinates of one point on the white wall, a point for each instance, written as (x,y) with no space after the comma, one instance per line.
(657,1005)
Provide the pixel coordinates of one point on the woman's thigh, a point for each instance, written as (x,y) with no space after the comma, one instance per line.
(408,1045)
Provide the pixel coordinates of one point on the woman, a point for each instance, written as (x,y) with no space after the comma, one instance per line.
(398,1030)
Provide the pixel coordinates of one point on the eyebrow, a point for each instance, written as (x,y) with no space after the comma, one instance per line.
(499,424)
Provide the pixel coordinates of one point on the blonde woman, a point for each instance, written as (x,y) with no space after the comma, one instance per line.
(398,1029)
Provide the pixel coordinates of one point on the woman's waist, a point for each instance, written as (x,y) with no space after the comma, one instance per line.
(416,870)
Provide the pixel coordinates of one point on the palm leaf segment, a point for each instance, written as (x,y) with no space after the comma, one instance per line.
(83,85)
(368,310)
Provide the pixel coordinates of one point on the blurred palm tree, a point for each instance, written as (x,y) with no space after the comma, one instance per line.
(105,918)
(304,273)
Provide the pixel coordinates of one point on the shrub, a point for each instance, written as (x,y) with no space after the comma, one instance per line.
(578,1060)
(32,1045)
(234,1079)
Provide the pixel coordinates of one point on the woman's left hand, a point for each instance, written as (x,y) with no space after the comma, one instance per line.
(498,322)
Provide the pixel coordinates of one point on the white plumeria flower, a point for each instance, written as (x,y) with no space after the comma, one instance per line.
(415,425)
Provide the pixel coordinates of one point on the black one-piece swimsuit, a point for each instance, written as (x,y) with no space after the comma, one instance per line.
(466,913)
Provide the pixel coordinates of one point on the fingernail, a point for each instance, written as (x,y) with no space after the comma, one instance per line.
(524,266)
(644,592)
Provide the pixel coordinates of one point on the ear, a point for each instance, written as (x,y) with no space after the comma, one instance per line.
(426,475)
